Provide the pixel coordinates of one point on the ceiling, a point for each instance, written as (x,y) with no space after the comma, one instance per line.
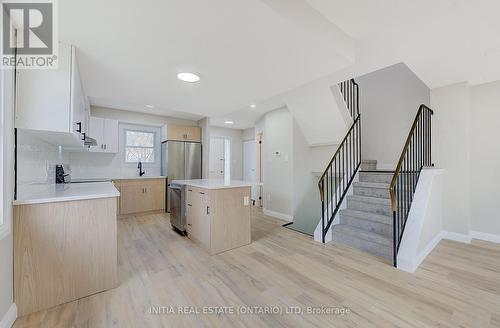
(260,51)
(245,51)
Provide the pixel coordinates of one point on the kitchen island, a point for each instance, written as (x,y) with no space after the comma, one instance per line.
(217,213)
(65,243)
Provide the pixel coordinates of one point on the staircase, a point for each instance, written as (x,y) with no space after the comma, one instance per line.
(371,214)
(366,223)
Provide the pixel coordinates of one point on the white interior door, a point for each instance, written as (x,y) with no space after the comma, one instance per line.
(217,158)
(250,164)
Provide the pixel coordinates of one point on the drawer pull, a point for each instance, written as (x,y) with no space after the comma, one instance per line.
(190,189)
(202,193)
(208,210)
(189,224)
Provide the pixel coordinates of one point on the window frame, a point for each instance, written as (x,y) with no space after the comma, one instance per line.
(125,146)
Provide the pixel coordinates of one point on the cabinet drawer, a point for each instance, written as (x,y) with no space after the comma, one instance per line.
(195,191)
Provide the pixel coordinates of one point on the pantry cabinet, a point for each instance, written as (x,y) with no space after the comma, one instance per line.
(52,101)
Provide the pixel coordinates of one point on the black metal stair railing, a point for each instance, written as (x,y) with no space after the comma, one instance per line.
(340,172)
(416,154)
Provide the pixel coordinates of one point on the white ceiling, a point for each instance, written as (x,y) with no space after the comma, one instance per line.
(245,51)
(260,51)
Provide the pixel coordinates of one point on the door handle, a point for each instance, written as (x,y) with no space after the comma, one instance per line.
(79,129)
(189,224)
(104,146)
(190,205)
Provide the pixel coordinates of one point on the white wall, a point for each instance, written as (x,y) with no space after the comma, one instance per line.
(277,128)
(389,100)
(485,158)
(204,124)
(36,160)
(6,246)
(248,134)
(236,138)
(104,165)
(137,118)
(451,137)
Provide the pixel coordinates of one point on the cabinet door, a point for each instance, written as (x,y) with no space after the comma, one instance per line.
(183,133)
(193,133)
(110,136)
(156,192)
(43,96)
(132,198)
(193,213)
(77,116)
(96,131)
(204,223)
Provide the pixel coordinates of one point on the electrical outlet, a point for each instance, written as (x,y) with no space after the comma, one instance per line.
(246,201)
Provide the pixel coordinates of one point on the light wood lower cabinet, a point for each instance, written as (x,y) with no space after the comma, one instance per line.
(219,220)
(63,251)
(141,195)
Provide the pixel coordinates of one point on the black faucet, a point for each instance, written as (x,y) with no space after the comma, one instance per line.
(141,172)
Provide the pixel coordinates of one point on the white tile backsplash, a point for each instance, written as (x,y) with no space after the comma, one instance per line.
(36,160)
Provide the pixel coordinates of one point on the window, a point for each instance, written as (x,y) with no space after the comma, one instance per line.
(139,146)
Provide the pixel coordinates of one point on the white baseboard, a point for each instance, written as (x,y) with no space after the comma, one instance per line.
(278,215)
(411,267)
(460,237)
(485,236)
(9,317)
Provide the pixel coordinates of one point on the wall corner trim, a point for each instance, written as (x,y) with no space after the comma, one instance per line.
(277,215)
(9,317)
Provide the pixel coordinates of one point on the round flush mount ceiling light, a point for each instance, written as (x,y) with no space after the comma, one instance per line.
(228,122)
(253,105)
(188,77)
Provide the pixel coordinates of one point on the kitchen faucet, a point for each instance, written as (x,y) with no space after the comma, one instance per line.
(141,172)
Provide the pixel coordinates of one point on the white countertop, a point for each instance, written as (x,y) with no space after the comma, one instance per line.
(105,179)
(43,193)
(216,184)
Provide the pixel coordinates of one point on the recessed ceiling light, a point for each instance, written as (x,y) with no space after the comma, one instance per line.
(228,122)
(150,106)
(253,105)
(188,77)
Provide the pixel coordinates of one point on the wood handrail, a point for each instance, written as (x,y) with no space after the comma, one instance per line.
(403,154)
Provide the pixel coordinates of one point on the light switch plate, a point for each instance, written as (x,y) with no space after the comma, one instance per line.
(246,201)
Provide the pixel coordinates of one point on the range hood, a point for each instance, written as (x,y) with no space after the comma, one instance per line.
(88,141)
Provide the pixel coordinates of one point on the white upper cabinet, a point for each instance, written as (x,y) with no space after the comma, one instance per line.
(53,101)
(105,132)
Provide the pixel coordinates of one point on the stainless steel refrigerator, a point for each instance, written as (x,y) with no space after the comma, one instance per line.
(180,161)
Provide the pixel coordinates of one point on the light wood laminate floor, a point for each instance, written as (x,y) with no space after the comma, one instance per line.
(458,285)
